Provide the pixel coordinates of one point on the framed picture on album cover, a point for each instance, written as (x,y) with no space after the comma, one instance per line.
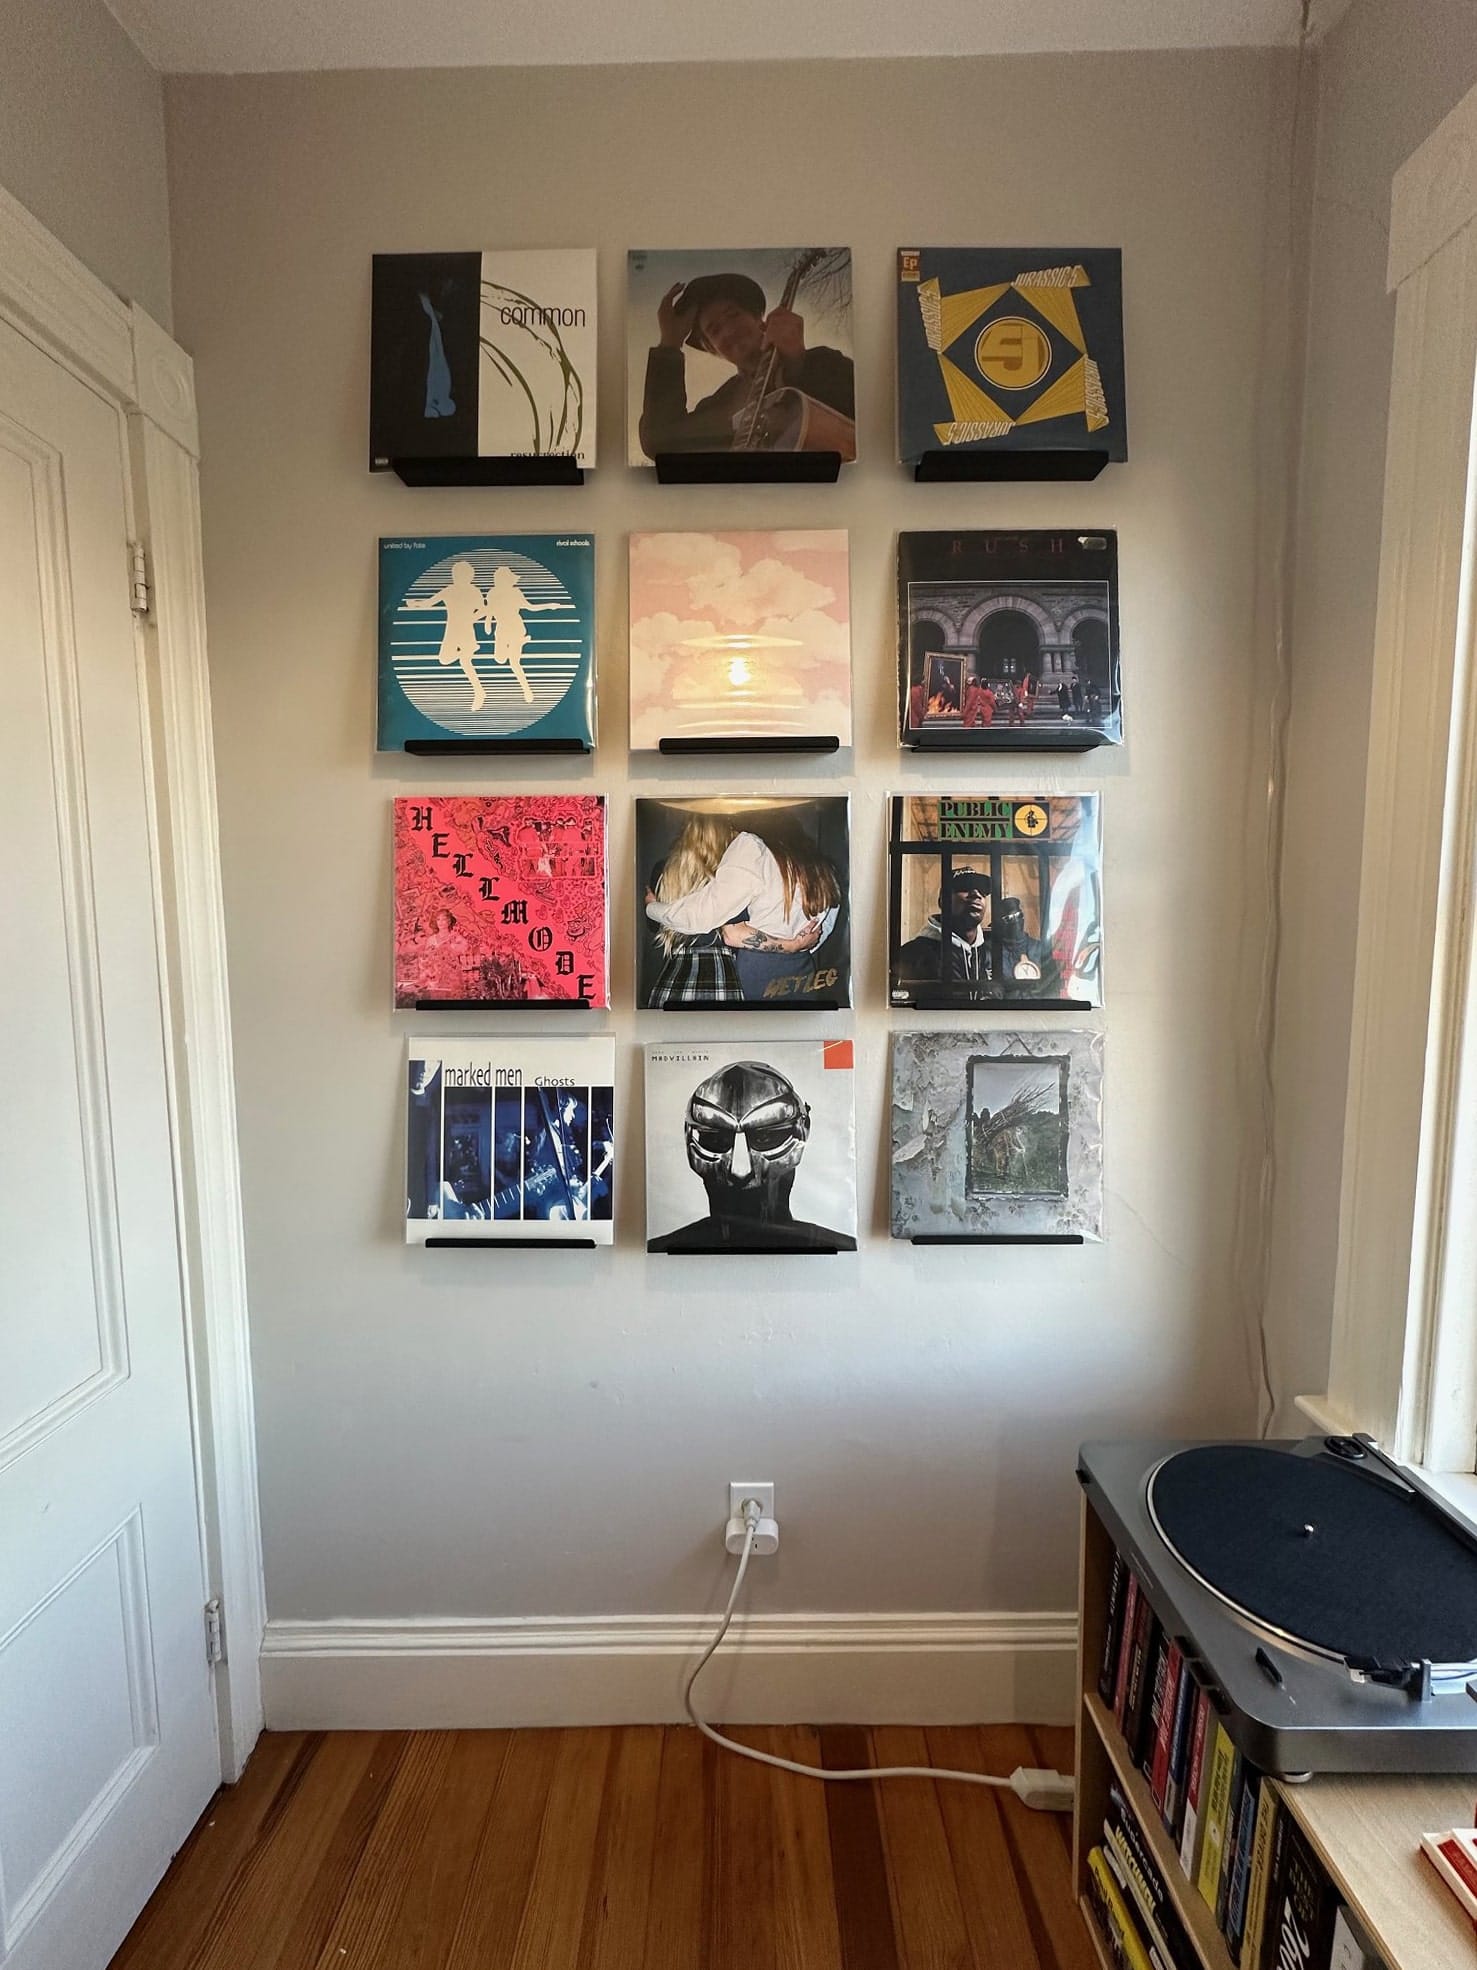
(510,1140)
(750,1147)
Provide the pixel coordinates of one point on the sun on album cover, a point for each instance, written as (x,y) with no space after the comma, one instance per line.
(483,355)
(995,899)
(740,635)
(740,349)
(510,1139)
(487,636)
(997,1134)
(500,899)
(1008,640)
(751,1147)
(1004,348)
(743,901)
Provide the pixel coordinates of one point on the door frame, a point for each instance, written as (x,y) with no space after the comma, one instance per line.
(126,357)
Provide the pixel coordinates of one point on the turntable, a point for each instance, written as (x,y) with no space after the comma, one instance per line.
(1326,1598)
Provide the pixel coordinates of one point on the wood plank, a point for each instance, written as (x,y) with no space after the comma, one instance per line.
(553,1915)
(741,1872)
(441,1864)
(929,1916)
(676,1925)
(614,1935)
(1043,1862)
(498,1883)
(807,1933)
(864,1914)
(366,1919)
(984,1865)
(322,1905)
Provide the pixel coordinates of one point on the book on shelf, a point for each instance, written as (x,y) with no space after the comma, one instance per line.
(1125,1648)
(1238,1865)
(1107,1678)
(1192,1824)
(1174,1664)
(1221,1757)
(1453,1854)
(1144,1749)
(1172,1810)
(1149,1892)
(1126,1946)
(1222,1902)
(1301,1905)
(1267,1811)
(1138,1710)
(1349,1951)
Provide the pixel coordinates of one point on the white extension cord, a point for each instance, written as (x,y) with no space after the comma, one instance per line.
(1046,1791)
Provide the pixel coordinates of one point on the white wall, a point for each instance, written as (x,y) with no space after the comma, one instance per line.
(1386,77)
(517,1434)
(82,141)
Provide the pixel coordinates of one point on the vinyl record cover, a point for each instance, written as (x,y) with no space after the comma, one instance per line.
(487,636)
(997,1134)
(750,1147)
(743,901)
(995,899)
(1004,348)
(510,1138)
(1008,640)
(483,355)
(735,348)
(740,635)
(500,898)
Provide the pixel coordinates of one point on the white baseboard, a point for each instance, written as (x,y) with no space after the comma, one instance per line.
(629,1669)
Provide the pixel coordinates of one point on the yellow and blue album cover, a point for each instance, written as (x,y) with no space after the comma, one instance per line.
(1010,348)
(487,637)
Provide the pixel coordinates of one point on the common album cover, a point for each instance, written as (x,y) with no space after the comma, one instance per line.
(487,636)
(995,899)
(997,1134)
(740,349)
(500,899)
(510,1139)
(483,355)
(1008,640)
(743,901)
(1010,349)
(740,635)
(750,1147)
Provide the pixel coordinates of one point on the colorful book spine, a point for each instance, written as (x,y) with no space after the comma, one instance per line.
(1267,1811)
(1141,1680)
(1161,1921)
(1221,1757)
(1174,1663)
(1239,1871)
(1112,1628)
(1228,1843)
(1125,1649)
(1191,1825)
(1179,1749)
(1301,1915)
(1124,1940)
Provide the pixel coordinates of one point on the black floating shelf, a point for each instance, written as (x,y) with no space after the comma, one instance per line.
(929,1003)
(782,742)
(747,468)
(761,1251)
(510,1244)
(998,1238)
(1023,738)
(535,470)
(995,466)
(800,1003)
(502,1005)
(451,748)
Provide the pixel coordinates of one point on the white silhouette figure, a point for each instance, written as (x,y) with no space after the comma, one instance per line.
(462,601)
(503,616)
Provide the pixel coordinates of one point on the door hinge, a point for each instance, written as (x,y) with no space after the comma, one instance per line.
(215,1647)
(138,585)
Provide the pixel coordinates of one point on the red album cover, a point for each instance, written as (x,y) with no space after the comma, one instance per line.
(500,899)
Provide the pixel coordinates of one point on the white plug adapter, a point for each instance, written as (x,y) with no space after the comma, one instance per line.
(766,1536)
(1046,1791)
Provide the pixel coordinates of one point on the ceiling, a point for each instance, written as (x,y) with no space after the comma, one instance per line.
(235,36)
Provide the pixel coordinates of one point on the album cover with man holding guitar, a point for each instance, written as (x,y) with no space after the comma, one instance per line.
(733,349)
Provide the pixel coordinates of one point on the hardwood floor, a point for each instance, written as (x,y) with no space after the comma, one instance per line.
(623,1849)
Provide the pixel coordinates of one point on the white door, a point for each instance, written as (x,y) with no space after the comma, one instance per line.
(107,1725)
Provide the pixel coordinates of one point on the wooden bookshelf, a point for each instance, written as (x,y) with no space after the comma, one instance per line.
(1365,1830)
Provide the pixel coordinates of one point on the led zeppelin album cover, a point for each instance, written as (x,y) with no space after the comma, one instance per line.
(510,1139)
(997,1135)
(995,899)
(743,901)
(739,349)
(482,355)
(1008,641)
(740,635)
(1004,348)
(487,636)
(750,1147)
(500,899)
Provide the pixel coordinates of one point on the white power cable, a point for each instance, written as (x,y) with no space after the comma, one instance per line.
(1047,1791)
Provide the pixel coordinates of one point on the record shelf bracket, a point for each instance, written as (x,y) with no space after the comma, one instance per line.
(535,469)
(738,743)
(510,1244)
(938,1002)
(478,748)
(717,1250)
(798,1004)
(997,1238)
(502,1005)
(936,467)
(1014,738)
(747,468)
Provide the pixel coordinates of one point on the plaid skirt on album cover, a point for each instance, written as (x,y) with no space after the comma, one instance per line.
(701,975)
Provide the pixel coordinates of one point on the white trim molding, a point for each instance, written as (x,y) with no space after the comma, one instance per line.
(119,351)
(629,1669)
(1400,1361)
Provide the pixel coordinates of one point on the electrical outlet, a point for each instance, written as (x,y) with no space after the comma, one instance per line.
(737,1493)
(767,1533)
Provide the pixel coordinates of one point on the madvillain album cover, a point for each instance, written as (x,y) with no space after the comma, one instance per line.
(1010,349)
(751,1147)
(487,636)
(510,1139)
(500,899)
(995,899)
(743,901)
